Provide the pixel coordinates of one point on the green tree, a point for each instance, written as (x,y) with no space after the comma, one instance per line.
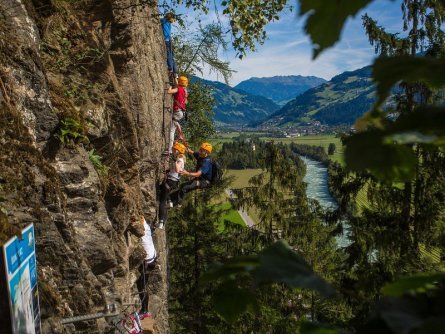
(246,21)
(278,194)
(194,243)
(417,204)
(199,126)
(331,148)
(402,215)
(196,51)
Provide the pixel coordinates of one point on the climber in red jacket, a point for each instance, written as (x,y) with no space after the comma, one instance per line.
(180,95)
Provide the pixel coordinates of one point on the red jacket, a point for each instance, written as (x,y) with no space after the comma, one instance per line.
(179,99)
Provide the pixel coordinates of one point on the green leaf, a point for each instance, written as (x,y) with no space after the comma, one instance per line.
(326,20)
(435,325)
(424,125)
(237,265)
(428,120)
(231,302)
(367,151)
(279,263)
(410,137)
(415,283)
(388,71)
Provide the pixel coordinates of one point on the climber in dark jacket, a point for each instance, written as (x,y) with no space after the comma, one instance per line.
(202,176)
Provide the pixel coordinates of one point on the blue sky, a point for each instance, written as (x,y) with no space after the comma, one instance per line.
(288,50)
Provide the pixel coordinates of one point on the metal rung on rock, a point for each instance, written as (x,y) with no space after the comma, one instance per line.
(87,317)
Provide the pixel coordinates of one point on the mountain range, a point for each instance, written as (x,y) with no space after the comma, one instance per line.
(280,89)
(339,101)
(237,107)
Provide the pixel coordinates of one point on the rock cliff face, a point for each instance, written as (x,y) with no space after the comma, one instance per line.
(81,133)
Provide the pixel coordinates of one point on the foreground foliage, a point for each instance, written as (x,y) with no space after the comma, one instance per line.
(397,154)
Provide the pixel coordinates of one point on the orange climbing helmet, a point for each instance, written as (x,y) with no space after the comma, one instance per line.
(206,147)
(179,147)
(183,81)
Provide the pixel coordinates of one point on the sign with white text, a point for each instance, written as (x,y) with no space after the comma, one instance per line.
(21,278)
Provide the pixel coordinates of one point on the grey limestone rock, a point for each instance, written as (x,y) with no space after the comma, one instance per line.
(105,68)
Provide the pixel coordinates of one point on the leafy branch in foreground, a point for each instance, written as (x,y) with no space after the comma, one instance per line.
(390,70)
(412,304)
(247,19)
(326,20)
(277,263)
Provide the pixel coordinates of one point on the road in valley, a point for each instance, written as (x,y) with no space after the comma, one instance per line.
(244,215)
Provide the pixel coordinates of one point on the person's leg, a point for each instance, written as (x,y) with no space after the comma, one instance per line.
(172,137)
(173,59)
(163,201)
(148,245)
(190,186)
(177,116)
(174,197)
(177,195)
(170,64)
(143,295)
(167,187)
(180,133)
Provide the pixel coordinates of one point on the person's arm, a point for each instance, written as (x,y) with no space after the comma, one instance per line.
(192,174)
(178,166)
(172,90)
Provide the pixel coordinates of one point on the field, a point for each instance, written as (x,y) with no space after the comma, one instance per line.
(241,180)
(321,140)
(231,215)
(241,177)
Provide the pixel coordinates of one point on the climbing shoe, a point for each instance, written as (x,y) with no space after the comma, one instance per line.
(160,225)
(144,314)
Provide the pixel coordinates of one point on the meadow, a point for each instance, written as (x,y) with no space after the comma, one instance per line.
(241,177)
(241,180)
(319,140)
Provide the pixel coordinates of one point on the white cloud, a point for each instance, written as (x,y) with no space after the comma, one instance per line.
(288,50)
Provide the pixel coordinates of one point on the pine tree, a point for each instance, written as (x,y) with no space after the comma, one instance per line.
(422,20)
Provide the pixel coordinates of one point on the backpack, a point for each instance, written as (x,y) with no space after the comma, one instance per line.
(217,172)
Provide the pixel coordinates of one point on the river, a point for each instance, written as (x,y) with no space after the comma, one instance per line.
(316,179)
(317,183)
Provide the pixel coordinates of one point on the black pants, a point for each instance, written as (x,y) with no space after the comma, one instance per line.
(141,285)
(177,196)
(166,187)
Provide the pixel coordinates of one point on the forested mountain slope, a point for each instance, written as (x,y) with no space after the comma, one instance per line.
(340,101)
(280,89)
(234,106)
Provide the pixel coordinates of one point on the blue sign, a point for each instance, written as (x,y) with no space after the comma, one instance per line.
(21,275)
